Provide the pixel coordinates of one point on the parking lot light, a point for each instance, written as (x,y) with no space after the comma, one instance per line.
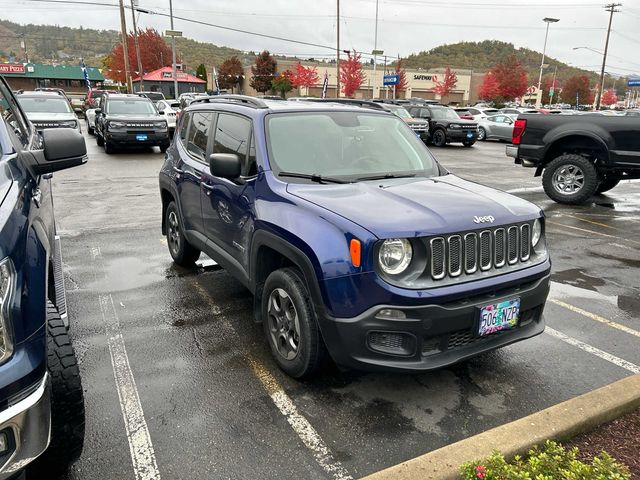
(548,21)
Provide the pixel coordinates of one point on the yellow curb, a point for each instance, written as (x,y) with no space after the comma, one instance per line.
(560,422)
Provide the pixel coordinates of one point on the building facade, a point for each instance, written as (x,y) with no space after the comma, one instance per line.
(29,76)
(161,80)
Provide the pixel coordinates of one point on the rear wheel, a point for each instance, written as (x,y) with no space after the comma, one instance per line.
(439,138)
(607,184)
(570,179)
(482,134)
(290,324)
(182,252)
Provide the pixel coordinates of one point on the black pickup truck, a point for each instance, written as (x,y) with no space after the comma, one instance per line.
(577,155)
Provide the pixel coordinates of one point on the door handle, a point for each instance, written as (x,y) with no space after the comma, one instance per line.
(177,170)
(208,188)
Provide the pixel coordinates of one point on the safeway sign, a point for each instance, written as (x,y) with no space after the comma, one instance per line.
(11,68)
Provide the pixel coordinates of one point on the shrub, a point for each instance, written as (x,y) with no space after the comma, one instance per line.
(551,462)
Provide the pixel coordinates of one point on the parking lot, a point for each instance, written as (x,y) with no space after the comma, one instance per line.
(179,381)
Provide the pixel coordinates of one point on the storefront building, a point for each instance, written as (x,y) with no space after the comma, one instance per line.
(29,76)
(161,80)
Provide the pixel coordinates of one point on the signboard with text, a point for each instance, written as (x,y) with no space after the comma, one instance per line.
(11,68)
(391,80)
(633,82)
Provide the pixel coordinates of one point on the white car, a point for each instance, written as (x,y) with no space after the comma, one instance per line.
(169,110)
(90,118)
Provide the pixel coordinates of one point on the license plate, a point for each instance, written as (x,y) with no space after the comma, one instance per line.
(469,135)
(141,138)
(499,316)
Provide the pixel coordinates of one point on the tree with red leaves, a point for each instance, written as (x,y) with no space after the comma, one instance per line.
(154,53)
(490,89)
(230,73)
(351,74)
(263,72)
(304,76)
(447,84)
(507,80)
(403,84)
(577,87)
(609,97)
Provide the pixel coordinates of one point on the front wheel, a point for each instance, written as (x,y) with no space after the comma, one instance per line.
(164,147)
(607,184)
(468,143)
(182,252)
(571,179)
(482,134)
(99,139)
(89,128)
(108,147)
(439,138)
(290,324)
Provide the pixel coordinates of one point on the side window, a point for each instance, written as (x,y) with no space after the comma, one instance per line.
(199,134)
(12,116)
(233,134)
(184,128)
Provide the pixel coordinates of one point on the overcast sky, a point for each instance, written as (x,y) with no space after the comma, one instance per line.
(404,27)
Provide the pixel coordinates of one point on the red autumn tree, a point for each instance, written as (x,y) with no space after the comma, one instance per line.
(512,78)
(447,84)
(609,97)
(351,74)
(154,53)
(403,84)
(230,73)
(304,76)
(263,72)
(489,90)
(577,88)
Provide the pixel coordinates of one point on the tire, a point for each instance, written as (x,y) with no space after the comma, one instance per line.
(67,403)
(163,148)
(570,179)
(89,128)
(439,138)
(108,147)
(299,351)
(468,144)
(182,252)
(99,139)
(482,134)
(607,184)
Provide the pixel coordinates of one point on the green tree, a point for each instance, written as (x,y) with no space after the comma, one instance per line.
(201,72)
(263,72)
(282,84)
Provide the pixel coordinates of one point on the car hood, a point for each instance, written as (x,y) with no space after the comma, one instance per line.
(416,207)
(50,117)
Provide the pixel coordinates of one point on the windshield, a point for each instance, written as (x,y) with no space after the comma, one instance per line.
(346,144)
(400,112)
(137,107)
(44,104)
(443,113)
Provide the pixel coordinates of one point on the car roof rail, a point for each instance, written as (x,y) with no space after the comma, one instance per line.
(243,99)
(349,101)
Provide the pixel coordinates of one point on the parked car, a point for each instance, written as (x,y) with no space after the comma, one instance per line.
(496,127)
(445,126)
(129,121)
(351,236)
(48,110)
(578,155)
(41,396)
(482,112)
(92,98)
(169,110)
(153,96)
(90,120)
(464,113)
(510,110)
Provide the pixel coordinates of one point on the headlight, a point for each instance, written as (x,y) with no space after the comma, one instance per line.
(455,126)
(395,255)
(536,233)
(7,281)
(69,124)
(160,124)
(115,124)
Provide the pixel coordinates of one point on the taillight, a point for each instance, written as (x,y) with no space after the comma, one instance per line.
(518,130)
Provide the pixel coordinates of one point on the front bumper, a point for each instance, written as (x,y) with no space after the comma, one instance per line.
(462,135)
(430,336)
(27,425)
(152,138)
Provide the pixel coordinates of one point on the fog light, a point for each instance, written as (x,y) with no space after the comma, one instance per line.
(391,314)
(4,443)
(392,343)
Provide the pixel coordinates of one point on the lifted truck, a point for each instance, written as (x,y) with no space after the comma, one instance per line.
(578,156)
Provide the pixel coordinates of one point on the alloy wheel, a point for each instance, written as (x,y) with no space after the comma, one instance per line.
(284,324)
(173,233)
(568,179)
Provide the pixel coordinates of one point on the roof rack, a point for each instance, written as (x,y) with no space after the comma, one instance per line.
(243,99)
(349,101)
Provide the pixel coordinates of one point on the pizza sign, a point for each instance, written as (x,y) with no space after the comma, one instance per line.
(11,68)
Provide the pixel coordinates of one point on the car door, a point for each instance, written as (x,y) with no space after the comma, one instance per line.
(194,148)
(498,126)
(228,206)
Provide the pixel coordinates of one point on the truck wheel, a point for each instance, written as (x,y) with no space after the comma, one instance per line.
(99,139)
(570,179)
(607,184)
(182,252)
(108,147)
(290,324)
(439,138)
(67,402)
(482,134)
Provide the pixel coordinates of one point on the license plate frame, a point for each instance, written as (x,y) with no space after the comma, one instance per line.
(498,317)
(142,138)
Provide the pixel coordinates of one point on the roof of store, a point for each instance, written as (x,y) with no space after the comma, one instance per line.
(165,74)
(56,72)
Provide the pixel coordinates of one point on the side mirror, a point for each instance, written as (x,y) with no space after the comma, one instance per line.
(225,165)
(161,112)
(63,148)
(98,111)
(77,110)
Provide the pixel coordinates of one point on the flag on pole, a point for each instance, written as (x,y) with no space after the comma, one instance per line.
(85,73)
(325,85)
(215,80)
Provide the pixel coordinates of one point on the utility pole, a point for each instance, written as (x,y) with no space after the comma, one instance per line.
(125,48)
(611,8)
(137,44)
(173,54)
(375,55)
(338,50)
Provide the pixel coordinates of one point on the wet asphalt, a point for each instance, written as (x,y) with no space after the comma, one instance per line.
(193,348)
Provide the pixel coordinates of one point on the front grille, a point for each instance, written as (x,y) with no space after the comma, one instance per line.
(46,125)
(469,127)
(417,127)
(482,251)
(139,125)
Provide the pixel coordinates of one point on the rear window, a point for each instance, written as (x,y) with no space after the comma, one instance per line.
(44,104)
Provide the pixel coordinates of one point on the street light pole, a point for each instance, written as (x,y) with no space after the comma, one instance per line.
(611,8)
(173,54)
(548,21)
(375,55)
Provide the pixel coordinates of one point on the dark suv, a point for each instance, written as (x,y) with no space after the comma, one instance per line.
(354,241)
(41,399)
(446,126)
(129,121)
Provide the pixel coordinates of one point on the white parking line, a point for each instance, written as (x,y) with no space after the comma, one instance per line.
(525,190)
(632,367)
(143,456)
(595,317)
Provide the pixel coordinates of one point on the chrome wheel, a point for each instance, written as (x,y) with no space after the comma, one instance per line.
(481,133)
(284,324)
(568,179)
(173,233)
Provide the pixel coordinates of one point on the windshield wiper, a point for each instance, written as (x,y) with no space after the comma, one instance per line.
(384,176)
(314,177)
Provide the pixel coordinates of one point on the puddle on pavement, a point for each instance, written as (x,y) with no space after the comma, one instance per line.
(127,273)
(577,278)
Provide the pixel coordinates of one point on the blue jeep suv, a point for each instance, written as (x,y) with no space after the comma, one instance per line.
(352,238)
(41,399)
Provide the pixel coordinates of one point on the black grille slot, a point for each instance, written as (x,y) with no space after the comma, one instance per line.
(525,242)
(455,255)
(500,247)
(394,343)
(512,245)
(470,252)
(485,250)
(438,258)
